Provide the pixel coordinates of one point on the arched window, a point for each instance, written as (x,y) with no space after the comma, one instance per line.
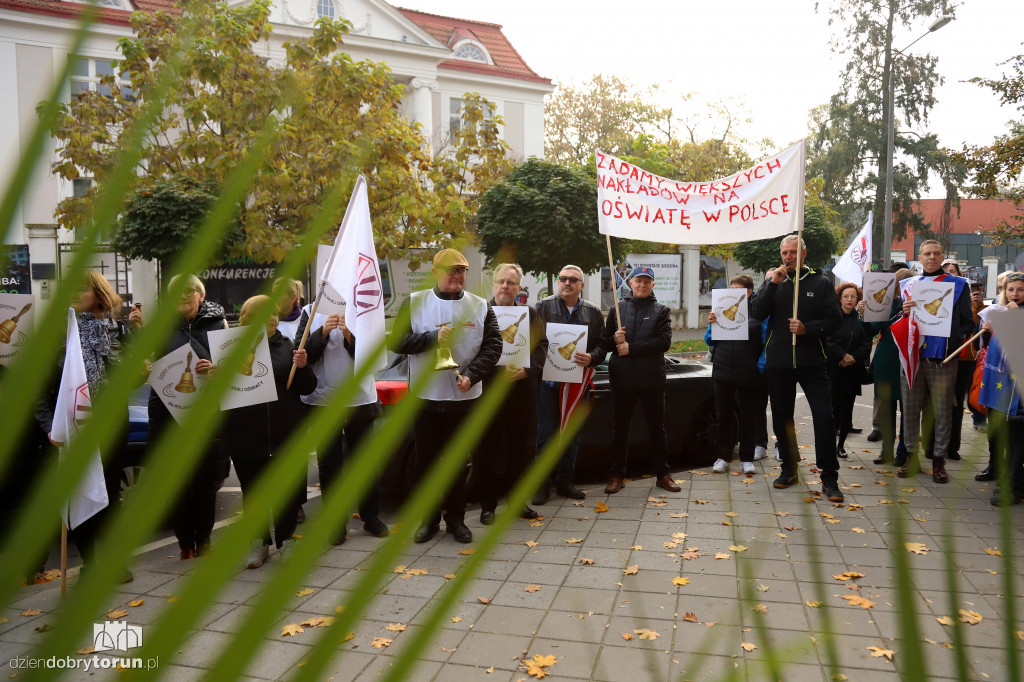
(471,52)
(325,9)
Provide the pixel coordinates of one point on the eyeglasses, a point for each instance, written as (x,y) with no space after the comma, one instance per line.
(456,270)
(568,280)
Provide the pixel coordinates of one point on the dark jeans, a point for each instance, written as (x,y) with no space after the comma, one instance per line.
(548,418)
(286,516)
(653,404)
(331,461)
(197,501)
(782,389)
(751,399)
(512,435)
(842,412)
(433,430)
(760,415)
(964,375)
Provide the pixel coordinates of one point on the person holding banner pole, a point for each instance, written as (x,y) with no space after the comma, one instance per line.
(802,361)
(514,429)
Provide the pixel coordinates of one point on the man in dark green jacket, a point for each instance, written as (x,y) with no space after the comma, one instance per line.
(786,364)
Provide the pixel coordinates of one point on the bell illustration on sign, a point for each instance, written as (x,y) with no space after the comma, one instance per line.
(508,334)
(186,384)
(567,350)
(7,327)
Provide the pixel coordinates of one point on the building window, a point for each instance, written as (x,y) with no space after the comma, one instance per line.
(325,9)
(112,4)
(471,52)
(86,74)
(80,187)
(454,116)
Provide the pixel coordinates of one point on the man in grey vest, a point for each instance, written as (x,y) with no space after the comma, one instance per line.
(449,318)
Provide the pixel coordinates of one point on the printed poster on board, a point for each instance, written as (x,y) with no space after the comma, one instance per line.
(175,381)
(879,289)
(514,323)
(564,341)
(934,309)
(17,321)
(253,383)
(730,308)
(1009,324)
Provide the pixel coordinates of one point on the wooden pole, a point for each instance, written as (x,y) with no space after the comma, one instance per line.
(615,289)
(63,559)
(305,332)
(799,243)
(966,343)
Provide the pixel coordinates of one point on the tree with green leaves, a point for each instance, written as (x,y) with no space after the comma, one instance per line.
(334,117)
(848,138)
(996,168)
(542,216)
(821,238)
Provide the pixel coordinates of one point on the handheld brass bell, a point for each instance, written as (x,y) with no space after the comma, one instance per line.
(7,327)
(186,384)
(730,312)
(444,360)
(246,368)
(933,307)
(509,332)
(566,351)
(880,295)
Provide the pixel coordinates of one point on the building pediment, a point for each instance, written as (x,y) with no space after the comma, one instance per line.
(369,18)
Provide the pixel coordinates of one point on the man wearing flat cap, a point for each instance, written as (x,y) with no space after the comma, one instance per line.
(446,317)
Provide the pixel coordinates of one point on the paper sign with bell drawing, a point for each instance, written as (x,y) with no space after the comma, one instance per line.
(564,341)
(934,309)
(879,289)
(175,381)
(253,383)
(17,322)
(731,310)
(514,323)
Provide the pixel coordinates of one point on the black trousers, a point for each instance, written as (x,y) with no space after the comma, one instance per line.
(842,412)
(782,390)
(285,516)
(998,445)
(86,534)
(332,460)
(653,404)
(751,401)
(433,430)
(194,513)
(512,437)
(760,415)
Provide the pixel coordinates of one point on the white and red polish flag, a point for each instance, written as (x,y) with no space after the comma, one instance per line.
(74,404)
(852,265)
(908,338)
(353,271)
(766,200)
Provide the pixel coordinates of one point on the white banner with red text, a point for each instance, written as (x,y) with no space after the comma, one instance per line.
(758,203)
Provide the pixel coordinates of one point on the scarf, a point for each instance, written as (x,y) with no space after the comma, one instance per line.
(95,349)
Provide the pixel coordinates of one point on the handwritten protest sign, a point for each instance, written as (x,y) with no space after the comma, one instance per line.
(730,307)
(514,323)
(760,202)
(879,288)
(564,341)
(17,322)
(254,382)
(175,381)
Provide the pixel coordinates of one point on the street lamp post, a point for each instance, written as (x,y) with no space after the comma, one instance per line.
(891,132)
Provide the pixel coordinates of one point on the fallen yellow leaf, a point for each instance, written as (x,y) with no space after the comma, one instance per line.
(627,636)
(395,627)
(456,619)
(636,548)
(600,507)
(848,575)
(381,642)
(115,614)
(679,581)
(721,555)
(586,561)
(856,600)
(690,617)
(31,612)
(681,515)
(878,652)
(944,620)
(760,608)
(573,541)
(291,630)
(136,602)
(531,543)
(532,588)
(647,633)
(916,547)
(858,530)
(536,667)
(737,548)
(993,551)
(468,551)
(632,570)
(970,617)
(748,646)
(448,576)
(304,593)
(318,622)
(814,604)
(484,600)
(86,651)
(400,569)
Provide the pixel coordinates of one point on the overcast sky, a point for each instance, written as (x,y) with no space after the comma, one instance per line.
(772,55)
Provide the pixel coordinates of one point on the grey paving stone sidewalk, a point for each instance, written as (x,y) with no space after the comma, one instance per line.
(661,586)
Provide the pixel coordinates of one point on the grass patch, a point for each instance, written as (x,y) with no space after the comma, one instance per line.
(689,346)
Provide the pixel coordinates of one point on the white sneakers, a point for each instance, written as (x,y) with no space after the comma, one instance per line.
(748,468)
(721,466)
(760,453)
(258,553)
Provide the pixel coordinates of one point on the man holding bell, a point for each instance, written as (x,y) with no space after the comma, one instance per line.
(453,342)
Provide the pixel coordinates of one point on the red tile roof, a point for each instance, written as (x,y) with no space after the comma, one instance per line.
(507,62)
(72,10)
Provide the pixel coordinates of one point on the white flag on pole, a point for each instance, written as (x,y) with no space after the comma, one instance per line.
(857,259)
(353,271)
(73,405)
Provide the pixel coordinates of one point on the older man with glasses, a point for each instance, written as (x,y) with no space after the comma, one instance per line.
(567,307)
(450,318)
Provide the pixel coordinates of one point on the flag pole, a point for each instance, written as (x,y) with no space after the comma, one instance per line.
(799,242)
(63,559)
(615,289)
(305,332)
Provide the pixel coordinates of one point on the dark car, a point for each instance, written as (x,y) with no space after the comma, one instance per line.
(690,420)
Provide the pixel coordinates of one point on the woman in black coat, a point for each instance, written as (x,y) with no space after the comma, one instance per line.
(637,373)
(197,501)
(251,435)
(849,350)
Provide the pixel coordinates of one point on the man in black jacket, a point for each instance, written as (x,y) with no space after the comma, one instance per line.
(514,430)
(568,307)
(451,318)
(818,315)
(637,373)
